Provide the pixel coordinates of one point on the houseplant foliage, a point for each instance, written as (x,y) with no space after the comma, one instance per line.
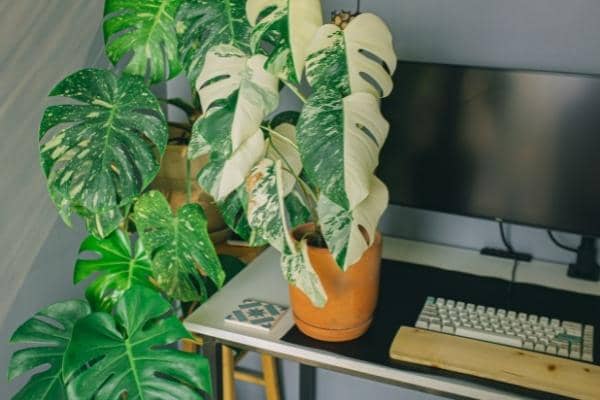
(325,158)
(102,144)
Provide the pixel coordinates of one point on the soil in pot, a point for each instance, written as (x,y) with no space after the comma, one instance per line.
(352,295)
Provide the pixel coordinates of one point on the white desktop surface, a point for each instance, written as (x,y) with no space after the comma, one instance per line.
(262,280)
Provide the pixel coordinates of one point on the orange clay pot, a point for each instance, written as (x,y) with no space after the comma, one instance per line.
(352,295)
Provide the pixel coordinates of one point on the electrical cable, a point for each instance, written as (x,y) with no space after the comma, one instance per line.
(511,250)
(357,6)
(559,244)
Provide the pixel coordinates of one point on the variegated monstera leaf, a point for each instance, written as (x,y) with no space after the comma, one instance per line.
(340,139)
(179,245)
(237,93)
(205,24)
(360,58)
(286,28)
(146,29)
(109,150)
(268,214)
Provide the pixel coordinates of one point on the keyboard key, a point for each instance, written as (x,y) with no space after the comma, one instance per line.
(422,324)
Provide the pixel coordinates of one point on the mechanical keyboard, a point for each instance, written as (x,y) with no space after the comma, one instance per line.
(507,327)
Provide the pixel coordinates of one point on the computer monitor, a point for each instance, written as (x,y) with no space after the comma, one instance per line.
(519,146)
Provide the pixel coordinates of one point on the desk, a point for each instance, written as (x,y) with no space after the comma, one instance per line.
(262,279)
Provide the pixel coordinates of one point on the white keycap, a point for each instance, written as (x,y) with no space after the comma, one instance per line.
(563,352)
(544,321)
(522,316)
(533,318)
(460,305)
(587,357)
(435,326)
(551,349)
(512,315)
(572,328)
(554,322)
(422,324)
(489,336)
(528,345)
(540,347)
(440,301)
(448,329)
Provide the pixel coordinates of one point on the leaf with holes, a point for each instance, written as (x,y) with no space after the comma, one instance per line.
(237,94)
(119,268)
(108,153)
(146,29)
(129,354)
(179,245)
(49,331)
(268,215)
(360,58)
(351,131)
(286,28)
(205,24)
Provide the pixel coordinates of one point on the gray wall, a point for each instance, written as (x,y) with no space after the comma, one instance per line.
(41,41)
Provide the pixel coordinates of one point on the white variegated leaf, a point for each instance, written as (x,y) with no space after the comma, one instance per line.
(342,228)
(282,146)
(266,205)
(339,141)
(287,27)
(298,271)
(360,58)
(237,94)
(268,216)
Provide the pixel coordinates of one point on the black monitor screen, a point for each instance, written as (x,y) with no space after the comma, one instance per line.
(516,145)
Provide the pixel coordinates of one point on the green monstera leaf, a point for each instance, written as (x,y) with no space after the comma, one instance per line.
(268,215)
(179,246)
(286,27)
(50,340)
(108,152)
(237,93)
(359,58)
(119,268)
(205,24)
(146,29)
(127,355)
(233,210)
(351,131)
(282,146)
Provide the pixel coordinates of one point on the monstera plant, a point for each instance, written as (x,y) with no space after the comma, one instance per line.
(273,173)
(302,181)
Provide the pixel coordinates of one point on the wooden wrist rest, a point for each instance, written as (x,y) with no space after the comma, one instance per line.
(485,360)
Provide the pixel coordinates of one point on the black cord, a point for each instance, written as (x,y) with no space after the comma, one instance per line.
(509,247)
(559,244)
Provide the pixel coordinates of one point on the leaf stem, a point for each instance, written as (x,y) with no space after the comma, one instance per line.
(279,135)
(188,180)
(295,90)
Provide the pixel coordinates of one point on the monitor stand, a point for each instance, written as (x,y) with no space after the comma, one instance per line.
(586,267)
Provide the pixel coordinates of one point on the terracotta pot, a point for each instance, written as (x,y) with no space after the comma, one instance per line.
(171,182)
(352,295)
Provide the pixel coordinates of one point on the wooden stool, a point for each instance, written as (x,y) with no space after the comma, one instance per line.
(268,379)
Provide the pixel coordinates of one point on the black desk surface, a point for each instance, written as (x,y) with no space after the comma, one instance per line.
(405,286)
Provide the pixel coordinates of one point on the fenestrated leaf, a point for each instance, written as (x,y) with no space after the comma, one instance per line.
(360,58)
(50,340)
(339,141)
(237,93)
(286,27)
(341,228)
(110,357)
(268,215)
(146,29)
(119,268)
(350,131)
(178,246)
(205,24)
(110,150)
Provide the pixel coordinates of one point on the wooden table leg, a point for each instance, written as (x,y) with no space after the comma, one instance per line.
(269,367)
(228,370)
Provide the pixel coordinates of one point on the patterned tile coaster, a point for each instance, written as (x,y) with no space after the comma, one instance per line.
(255,314)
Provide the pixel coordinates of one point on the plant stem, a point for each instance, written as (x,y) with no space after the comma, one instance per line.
(295,90)
(279,135)
(188,180)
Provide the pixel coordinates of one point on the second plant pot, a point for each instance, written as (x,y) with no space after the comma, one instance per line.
(352,295)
